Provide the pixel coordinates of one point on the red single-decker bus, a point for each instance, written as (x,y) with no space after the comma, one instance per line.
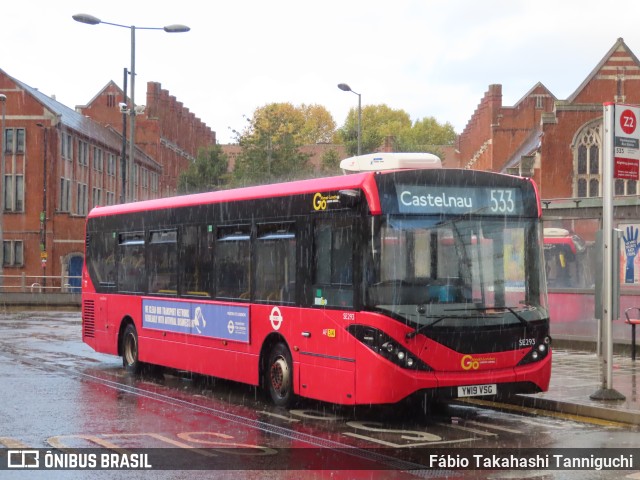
(365,288)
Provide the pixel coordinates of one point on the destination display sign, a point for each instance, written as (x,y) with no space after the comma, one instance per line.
(421,199)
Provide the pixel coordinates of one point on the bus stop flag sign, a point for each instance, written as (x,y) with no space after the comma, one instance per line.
(626,143)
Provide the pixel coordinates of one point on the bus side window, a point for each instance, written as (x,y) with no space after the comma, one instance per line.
(233,262)
(275,263)
(196,262)
(163,262)
(102,260)
(333,262)
(132,275)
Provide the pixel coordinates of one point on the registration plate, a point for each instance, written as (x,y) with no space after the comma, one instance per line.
(477,390)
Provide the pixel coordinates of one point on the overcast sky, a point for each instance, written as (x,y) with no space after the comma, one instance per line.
(427,57)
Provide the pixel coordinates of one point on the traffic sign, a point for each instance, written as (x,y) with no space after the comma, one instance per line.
(628,121)
(626,142)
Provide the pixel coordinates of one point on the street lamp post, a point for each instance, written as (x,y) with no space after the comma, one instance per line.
(91,20)
(43,215)
(346,88)
(123,158)
(3,100)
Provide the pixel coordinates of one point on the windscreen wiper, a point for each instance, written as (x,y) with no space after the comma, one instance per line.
(410,335)
(518,316)
(512,310)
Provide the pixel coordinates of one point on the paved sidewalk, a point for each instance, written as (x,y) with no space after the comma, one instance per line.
(577,374)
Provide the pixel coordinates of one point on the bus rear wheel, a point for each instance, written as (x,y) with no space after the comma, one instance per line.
(279,375)
(130,360)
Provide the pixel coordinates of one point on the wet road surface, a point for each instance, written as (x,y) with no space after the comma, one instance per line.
(57,393)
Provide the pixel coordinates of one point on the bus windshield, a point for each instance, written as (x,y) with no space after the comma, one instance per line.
(457,272)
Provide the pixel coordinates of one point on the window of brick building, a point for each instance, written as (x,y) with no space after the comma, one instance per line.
(66,147)
(82,205)
(14,140)
(13,192)
(587,163)
(13,253)
(65,195)
(587,166)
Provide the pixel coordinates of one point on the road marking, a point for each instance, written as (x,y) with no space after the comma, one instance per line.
(12,443)
(170,441)
(539,423)
(468,429)
(404,434)
(225,447)
(494,427)
(408,445)
(277,415)
(544,413)
(315,415)
(56,442)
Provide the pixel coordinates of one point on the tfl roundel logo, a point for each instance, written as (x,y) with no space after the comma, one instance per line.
(275,318)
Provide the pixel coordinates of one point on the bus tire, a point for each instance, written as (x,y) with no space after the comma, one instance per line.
(279,375)
(130,361)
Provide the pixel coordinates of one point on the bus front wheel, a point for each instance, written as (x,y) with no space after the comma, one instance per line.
(130,360)
(279,375)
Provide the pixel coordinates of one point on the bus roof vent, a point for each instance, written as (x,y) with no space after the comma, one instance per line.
(374,162)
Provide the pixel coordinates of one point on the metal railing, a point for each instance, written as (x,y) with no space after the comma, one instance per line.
(40,284)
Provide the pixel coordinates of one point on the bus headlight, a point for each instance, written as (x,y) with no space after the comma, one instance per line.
(538,352)
(387,347)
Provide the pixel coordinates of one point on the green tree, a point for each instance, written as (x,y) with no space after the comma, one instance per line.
(271,144)
(380,122)
(319,126)
(208,172)
(426,135)
(330,162)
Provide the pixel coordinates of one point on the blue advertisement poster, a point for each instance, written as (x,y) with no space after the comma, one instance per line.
(227,322)
(629,258)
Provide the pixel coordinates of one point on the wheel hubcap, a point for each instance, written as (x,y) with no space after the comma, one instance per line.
(280,376)
(131,349)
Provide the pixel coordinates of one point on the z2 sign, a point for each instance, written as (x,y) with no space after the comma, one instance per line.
(628,121)
(626,142)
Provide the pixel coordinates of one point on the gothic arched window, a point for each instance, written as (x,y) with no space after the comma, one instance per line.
(586,157)
(587,165)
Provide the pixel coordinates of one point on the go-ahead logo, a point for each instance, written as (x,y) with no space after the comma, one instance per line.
(320,201)
(468,362)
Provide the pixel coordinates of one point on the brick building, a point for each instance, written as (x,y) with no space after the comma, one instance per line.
(558,142)
(59,163)
(166,130)
(315,152)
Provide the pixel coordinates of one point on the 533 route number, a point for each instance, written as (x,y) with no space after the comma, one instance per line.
(502,201)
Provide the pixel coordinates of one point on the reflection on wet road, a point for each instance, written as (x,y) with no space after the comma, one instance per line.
(58,393)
